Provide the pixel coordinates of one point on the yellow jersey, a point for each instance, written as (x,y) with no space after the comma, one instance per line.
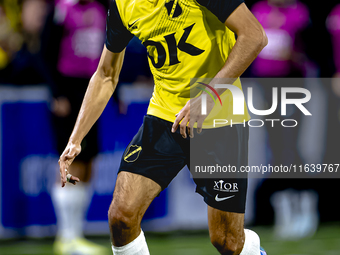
(185,40)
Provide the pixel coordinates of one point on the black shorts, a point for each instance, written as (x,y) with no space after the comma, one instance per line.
(157,153)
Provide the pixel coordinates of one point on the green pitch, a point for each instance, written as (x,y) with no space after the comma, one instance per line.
(325,242)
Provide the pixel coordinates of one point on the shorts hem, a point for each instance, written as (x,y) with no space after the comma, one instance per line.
(162,185)
(220,206)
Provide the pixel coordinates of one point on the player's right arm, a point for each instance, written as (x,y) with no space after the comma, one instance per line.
(99,91)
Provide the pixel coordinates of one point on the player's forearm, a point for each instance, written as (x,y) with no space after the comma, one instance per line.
(98,93)
(251,39)
(244,52)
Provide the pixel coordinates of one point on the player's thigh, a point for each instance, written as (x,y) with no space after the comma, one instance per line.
(226,228)
(132,196)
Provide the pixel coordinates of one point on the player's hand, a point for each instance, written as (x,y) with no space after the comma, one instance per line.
(72,150)
(189,115)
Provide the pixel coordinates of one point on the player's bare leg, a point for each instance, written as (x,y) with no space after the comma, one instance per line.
(132,196)
(227,233)
(226,230)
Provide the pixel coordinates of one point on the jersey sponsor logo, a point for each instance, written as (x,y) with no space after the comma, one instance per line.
(132,153)
(130,25)
(219,199)
(173,48)
(225,186)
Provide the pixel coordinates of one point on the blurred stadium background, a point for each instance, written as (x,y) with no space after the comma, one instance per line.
(292,216)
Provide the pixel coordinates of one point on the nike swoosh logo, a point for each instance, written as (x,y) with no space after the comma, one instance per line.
(130,25)
(223,198)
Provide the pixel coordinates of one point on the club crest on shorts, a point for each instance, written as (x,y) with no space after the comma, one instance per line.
(132,153)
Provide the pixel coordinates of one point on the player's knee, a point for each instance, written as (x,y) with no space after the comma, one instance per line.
(227,244)
(121,218)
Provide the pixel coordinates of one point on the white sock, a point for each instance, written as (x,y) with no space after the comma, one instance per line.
(251,243)
(70,205)
(136,247)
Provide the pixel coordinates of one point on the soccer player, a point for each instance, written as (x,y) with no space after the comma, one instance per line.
(185,39)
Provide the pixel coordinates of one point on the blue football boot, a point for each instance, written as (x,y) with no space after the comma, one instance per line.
(262,251)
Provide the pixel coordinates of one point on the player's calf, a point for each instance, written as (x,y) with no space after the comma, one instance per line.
(126,212)
(126,234)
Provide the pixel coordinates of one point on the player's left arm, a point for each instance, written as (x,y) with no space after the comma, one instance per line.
(251,39)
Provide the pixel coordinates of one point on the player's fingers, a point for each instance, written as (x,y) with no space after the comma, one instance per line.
(199,126)
(179,116)
(183,126)
(70,156)
(72,179)
(62,167)
(178,119)
(191,128)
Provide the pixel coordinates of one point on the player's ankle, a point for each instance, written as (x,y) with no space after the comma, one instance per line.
(251,243)
(137,247)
